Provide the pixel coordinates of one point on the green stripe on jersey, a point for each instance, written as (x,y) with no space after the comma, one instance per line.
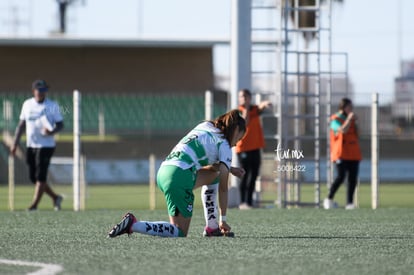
(218,144)
(180,156)
(194,144)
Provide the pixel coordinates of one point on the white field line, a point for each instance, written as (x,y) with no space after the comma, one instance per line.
(46,269)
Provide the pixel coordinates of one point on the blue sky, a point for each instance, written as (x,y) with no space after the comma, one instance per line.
(374,33)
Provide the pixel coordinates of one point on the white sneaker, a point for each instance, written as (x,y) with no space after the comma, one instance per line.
(58,203)
(350,206)
(244,206)
(329,204)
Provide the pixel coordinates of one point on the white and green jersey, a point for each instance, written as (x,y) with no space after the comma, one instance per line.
(204,145)
(36,114)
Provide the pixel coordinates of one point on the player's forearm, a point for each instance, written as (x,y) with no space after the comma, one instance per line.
(346,125)
(263,105)
(59,126)
(223,189)
(223,201)
(213,167)
(19,132)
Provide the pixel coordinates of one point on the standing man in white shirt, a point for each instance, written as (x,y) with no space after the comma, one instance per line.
(42,119)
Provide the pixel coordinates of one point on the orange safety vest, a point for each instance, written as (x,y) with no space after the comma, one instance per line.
(345,146)
(254,138)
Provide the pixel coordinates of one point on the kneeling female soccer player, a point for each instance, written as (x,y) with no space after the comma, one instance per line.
(198,159)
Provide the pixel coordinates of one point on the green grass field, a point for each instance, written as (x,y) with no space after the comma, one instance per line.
(268,241)
(136,196)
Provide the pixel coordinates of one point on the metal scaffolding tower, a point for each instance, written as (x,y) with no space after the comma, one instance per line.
(286,47)
(296,43)
(266,54)
(298,122)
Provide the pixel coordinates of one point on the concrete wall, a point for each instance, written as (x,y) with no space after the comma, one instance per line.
(109,69)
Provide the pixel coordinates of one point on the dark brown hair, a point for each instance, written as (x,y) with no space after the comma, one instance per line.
(228,122)
(246,92)
(343,103)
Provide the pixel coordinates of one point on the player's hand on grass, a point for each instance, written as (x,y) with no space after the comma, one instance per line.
(224,227)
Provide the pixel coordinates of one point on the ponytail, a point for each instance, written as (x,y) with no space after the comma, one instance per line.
(228,122)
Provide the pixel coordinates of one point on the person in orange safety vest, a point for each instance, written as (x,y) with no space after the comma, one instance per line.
(345,152)
(249,148)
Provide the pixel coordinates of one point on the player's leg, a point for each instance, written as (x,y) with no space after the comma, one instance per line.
(177,186)
(45,155)
(209,191)
(253,160)
(353,168)
(180,203)
(340,176)
(32,162)
(341,171)
(205,177)
(177,227)
(209,183)
(209,194)
(37,195)
(243,160)
(130,224)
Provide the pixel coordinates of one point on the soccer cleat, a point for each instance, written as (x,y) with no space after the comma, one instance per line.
(209,232)
(228,234)
(124,226)
(58,203)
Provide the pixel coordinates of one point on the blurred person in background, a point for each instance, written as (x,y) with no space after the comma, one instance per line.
(41,118)
(345,152)
(249,148)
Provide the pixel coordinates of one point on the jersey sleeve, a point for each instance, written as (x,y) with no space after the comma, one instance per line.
(225,154)
(335,125)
